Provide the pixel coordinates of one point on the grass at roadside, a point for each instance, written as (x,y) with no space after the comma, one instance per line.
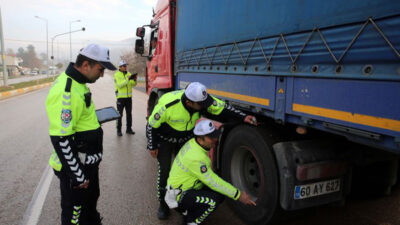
(27,84)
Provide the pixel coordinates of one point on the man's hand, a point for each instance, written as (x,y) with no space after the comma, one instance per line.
(84,185)
(133,76)
(251,120)
(245,199)
(154,153)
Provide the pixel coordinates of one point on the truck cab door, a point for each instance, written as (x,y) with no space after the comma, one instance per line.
(160,60)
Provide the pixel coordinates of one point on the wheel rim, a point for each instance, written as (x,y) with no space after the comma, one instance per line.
(245,171)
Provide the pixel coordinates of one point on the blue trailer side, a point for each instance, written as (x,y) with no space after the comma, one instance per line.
(333,66)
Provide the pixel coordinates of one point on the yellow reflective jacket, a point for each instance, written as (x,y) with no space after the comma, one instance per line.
(171,121)
(73,120)
(123,86)
(192,170)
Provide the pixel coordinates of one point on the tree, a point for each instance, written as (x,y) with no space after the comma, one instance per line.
(20,52)
(29,57)
(136,63)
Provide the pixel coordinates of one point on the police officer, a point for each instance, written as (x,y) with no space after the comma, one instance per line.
(124,82)
(171,123)
(193,187)
(76,136)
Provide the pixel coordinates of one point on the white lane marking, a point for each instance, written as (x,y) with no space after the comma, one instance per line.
(32,213)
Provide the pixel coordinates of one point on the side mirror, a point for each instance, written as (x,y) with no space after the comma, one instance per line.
(140,32)
(139,46)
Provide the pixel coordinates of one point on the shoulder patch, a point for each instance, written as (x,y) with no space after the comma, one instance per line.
(156,116)
(214,103)
(66,116)
(172,103)
(203,169)
(68,85)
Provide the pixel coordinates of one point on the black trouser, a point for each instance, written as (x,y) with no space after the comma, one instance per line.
(198,204)
(79,205)
(164,157)
(127,104)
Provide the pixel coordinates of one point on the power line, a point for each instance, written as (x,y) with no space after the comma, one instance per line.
(63,43)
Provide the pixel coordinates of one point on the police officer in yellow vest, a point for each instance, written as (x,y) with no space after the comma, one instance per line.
(193,187)
(124,82)
(76,136)
(171,123)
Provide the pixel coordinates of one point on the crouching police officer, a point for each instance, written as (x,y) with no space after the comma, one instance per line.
(191,171)
(171,124)
(77,137)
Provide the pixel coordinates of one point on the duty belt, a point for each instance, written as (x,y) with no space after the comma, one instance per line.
(173,139)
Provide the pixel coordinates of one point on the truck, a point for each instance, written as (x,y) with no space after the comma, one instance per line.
(322,78)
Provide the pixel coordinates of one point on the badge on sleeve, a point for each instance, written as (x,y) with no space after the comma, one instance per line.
(214,103)
(66,116)
(156,116)
(203,169)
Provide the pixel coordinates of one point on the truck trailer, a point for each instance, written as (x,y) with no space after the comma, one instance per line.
(322,78)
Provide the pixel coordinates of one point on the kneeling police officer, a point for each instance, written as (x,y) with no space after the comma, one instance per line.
(193,187)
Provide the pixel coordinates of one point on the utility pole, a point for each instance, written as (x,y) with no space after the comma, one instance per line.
(47,43)
(70,42)
(3,55)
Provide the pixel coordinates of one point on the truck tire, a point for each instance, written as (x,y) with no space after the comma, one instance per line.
(249,164)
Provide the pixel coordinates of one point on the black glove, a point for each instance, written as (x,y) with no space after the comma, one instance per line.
(132,77)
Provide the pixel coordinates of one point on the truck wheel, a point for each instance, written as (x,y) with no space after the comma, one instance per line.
(248,163)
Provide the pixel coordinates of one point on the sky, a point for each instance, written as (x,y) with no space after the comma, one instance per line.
(107,22)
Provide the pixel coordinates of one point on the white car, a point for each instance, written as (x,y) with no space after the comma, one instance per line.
(34,73)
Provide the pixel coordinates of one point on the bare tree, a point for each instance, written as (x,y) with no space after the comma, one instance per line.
(29,57)
(136,63)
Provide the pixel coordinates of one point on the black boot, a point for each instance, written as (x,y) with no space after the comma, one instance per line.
(119,133)
(163,211)
(130,131)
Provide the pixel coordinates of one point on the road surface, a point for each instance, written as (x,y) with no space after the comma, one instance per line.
(127,173)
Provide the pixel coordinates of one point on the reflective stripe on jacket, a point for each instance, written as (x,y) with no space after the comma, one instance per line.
(74,127)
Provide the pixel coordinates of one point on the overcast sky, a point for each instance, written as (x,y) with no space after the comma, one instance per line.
(109,20)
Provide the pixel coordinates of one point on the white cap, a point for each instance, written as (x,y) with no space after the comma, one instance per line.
(206,128)
(197,92)
(99,54)
(122,63)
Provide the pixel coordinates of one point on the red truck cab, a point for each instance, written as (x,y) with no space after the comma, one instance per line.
(159,69)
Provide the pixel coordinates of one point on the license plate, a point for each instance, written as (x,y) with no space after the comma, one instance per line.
(316,189)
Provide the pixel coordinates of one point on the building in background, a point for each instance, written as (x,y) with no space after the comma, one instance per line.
(13,65)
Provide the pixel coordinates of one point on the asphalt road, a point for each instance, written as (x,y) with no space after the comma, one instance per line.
(127,172)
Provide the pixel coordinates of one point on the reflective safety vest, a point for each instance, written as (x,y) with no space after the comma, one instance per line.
(172,122)
(69,111)
(171,110)
(191,169)
(123,86)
